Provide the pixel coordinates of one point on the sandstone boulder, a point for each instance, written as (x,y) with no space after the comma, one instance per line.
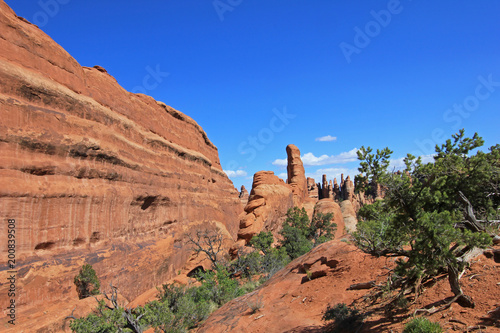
(244,195)
(349,214)
(326,206)
(268,203)
(296,175)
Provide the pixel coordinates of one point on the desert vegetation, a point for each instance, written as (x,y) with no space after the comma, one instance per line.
(432,217)
(180,308)
(435,217)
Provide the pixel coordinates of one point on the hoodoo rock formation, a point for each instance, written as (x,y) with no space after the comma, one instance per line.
(268,203)
(93,173)
(270,198)
(296,175)
(244,195)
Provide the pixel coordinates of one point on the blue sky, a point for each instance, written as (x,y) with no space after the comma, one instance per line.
(259,75)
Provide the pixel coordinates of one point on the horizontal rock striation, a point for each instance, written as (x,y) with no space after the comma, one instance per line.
(91,172)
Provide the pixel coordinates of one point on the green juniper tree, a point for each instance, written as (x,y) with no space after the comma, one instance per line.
(87,283)
(433,215)
(300,234)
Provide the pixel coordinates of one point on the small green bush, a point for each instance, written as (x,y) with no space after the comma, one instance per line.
(262,241)
(346,319)
(300,234)
(87,283)
(422,325)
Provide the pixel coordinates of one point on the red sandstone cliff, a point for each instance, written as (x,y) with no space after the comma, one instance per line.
(93,173)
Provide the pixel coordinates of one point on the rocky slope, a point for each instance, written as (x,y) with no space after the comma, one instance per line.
(294,301)
(93,173)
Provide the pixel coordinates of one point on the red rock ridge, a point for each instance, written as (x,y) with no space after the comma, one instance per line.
(93,173)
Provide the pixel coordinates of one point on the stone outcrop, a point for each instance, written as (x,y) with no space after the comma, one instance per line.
(244,195)
(270,198)
(312,188)
(349,214)
(295,298)
(348,189)
(296,175)
(339,193)
(325,206)
(93,173)
(268,203)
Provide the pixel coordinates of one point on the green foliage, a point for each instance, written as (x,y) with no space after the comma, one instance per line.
(375,235)
(372,168)
(295,231)
(322,228)
(422,325)
(300,235)
(160,317)
(102,320)
(247,265)
(262,241)
(273,261)
(87,283)
(217,287)
(419,215)
(346,319)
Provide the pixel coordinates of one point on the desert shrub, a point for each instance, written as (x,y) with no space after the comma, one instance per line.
(256,304)
(217,287)
(273,261)
(300,234)
(430,215)
(295,233)
(322,229)
(87,283)
(422,325)
(102,319)
(247,265)
(262,241)
(346,319)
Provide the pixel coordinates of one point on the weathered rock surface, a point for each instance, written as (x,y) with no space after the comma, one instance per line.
(268,203)
(296,175)
(291,301)
(244,195)
(93,173)
(295,298)
(348,189)
(270,198)
(312,188)
(325,206)
(349,214)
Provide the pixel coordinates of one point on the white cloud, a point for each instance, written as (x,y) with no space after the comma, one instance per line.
(326,138)
(280,162)
(237,173)
(309,159)
(283,176)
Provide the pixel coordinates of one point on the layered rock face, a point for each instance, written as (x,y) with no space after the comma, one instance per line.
(270,198)
(244,195)
(268,203)
(93,173)
(296,175)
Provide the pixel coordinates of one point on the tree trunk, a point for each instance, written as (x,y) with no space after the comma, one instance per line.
(453,278)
